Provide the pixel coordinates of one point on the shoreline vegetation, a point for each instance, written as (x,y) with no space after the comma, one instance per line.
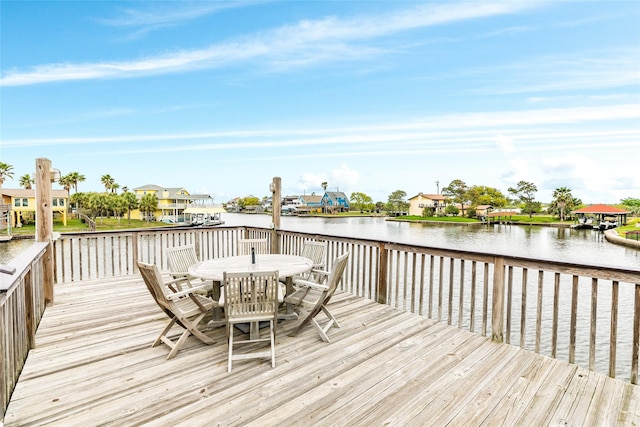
(111,224)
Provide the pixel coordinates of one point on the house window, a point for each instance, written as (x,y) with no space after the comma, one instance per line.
(54,202)
(25,202)
(16,203)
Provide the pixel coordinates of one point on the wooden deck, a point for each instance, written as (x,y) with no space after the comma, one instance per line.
(93,365)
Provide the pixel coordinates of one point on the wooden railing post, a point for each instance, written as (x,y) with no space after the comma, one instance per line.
(636,336)
(44,223)
(382,274)
(275,188)
(497,311)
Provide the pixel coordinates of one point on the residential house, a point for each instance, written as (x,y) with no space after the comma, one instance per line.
(310,203)
(335,201)
(483,210)
(171,202)
(22,204)
(436,202)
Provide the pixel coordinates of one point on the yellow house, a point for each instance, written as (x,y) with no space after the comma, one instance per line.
(418,203)
(171,202)
(22,204)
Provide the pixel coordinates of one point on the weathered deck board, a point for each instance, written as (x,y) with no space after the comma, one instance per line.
(93,365)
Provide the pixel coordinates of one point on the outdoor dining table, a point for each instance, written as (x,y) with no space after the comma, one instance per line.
(286,265)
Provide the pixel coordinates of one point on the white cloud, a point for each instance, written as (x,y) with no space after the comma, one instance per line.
(505,144)
(344,177)
(311,182)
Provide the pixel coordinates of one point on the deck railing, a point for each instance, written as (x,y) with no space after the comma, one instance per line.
(22,303)
(584,314)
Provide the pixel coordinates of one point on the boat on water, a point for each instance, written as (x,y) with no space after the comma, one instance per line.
(205,216)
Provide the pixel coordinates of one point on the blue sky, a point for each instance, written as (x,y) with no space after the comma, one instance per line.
(369,96)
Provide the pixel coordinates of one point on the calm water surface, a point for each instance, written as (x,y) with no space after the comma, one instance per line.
(563,244)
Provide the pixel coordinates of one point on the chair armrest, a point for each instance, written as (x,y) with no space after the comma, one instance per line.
(312,285)
(181,294)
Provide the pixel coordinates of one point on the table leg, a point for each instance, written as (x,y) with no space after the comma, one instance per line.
(216,320)
(289,314)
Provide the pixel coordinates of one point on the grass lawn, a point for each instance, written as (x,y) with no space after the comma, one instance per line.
(102,224)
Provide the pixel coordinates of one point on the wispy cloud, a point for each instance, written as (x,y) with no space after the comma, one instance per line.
(564,73)
(305,42)
(152,16)
(549,130)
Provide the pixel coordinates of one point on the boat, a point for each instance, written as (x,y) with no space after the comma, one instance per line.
(205,216)
(584,223)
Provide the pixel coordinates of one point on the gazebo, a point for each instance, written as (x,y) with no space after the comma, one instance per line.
(606,216)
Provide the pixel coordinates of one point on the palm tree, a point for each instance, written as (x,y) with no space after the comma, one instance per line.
(76,177)
(108,182)
(131,203)
(5,172)
(148,205)
(26,181)
(562,198)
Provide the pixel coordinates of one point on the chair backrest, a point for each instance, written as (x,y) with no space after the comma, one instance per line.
(315,252)
(261,246)
(250,294)
(152,278)
(180,258)
(337,270)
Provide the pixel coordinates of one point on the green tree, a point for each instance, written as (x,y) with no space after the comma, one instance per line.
(451,210)
(80,200)
(118,205)
(396,202)
(563,202)
(457,192)
(26,181)
(131,203)
(525,191)
(109,183)
(631,204)
(483,195)
(5,172)
(97,204)
(361,201)
(76,177)
(148,205)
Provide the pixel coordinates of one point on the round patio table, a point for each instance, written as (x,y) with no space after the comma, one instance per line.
(286,265)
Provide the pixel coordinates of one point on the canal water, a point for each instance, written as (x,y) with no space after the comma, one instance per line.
(564,244)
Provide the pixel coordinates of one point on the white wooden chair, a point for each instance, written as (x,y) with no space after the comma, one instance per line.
(260,246)
(251,297)
(312,298)
(185,308)
(179,259)
(315,251)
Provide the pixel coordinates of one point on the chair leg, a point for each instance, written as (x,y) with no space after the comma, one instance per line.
(164,332)
(331,316)
(273,344)
(230,356)
(193,328)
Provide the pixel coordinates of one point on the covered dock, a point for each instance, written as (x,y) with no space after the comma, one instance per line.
(601,216)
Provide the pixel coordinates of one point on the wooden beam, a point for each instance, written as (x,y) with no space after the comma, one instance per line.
(44,223)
